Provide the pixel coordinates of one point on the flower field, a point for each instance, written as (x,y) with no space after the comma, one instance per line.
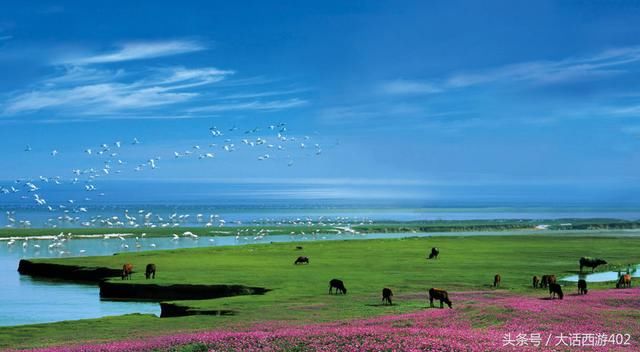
(603,320)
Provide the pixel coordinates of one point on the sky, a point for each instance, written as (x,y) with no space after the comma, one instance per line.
(437,97)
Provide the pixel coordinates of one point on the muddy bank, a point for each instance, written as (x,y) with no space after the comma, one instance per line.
(66,272)
(118,290)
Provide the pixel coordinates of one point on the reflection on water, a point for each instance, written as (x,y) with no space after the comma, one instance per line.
(603,276)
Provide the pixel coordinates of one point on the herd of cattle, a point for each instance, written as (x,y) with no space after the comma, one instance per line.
(545,281)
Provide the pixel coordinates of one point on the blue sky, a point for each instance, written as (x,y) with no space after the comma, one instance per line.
(425,94)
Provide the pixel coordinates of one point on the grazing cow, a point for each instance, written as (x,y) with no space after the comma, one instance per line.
(386,295)
(339,286)
(434,253)
(591,263)
(496,280)
(127,269)
(624,281)
(536,282)
(302,260)
(442,295)
(547,280)
(582,287)
(555,289)
(150,271)
(298,247)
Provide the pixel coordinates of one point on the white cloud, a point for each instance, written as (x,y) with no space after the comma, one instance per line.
(572,69)
(88,91)
(253,105)
(138,51)
(81,89)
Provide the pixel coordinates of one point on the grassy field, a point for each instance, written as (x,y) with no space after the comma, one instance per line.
(300,293)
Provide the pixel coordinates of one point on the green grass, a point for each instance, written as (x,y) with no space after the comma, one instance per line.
(300,293)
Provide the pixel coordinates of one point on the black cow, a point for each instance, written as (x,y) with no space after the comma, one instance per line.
(591,263)
(386,295)
(339,286)
(442,295)
(555,289)
(582,287)
(434,253)
(496,280)
(150,271)
(302,260)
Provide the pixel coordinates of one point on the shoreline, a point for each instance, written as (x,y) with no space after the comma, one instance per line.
(436,226)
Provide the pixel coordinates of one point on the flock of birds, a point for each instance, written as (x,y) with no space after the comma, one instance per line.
(307,229)
(271,142)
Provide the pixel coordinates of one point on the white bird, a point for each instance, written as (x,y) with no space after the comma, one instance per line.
(27,148)
(54,152)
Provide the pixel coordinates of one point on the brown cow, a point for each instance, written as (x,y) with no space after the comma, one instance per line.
(386,295)
(496,280)
(127,270)
(582,287)
(150,271)
(547,280)
(442,295)
(536,282)
(624,281)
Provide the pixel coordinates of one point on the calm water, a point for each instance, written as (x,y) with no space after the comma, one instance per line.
(603,276)
(73,218)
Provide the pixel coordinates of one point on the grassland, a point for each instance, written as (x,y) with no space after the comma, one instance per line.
(300,293)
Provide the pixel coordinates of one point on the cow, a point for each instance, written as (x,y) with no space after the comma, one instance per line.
(386,295)
(301,260)
(624,281)
(496,280)
(555,289)
(546,280)
(591,263)
(434,253)
(442,295)
(127,269)
(536,282)
(582,287)
(150,271)
(298,247)
(339,286)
